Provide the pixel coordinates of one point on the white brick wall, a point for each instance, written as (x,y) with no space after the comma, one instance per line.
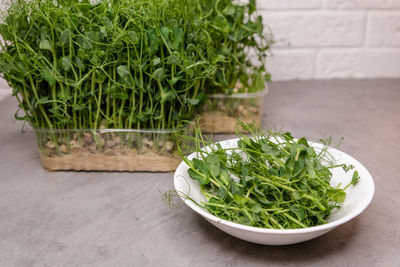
(383,29)
(317,29)
(299,62)
(363,63)
(323,39)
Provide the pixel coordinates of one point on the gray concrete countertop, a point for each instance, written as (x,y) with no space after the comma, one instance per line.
(119,219)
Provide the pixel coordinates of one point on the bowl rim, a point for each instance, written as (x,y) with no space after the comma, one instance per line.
(368,178)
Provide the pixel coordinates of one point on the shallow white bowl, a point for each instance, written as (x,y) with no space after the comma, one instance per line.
(358,198)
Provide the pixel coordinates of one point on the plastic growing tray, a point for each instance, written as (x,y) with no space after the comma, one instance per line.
(109,149)
(221,112)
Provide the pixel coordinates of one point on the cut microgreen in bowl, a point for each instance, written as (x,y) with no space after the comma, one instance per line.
(271,188)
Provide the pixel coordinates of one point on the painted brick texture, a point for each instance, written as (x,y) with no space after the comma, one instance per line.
(333,38)
(317,29)
(365,63)
(383,29)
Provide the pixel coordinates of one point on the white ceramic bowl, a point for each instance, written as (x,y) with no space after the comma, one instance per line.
(358,198)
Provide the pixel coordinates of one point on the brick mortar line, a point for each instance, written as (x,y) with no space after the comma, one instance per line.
(358,46)
(313,12)
(336,79)
(290,9)
(349,49)
(293,10)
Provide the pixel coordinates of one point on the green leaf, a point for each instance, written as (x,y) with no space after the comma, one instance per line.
(123,71)
(172,23)
(173,60)
(234,189)
(194,101)
(304,142)
(177,38)
(167,95)
(213,164)
(355,178)
(45,45)
(64,37)
(308,162)
(229,10)
(200,178)
(66,63)
(263,200)
(221,23)
(42,100)
(78,107)
(104,32)
(298,167)
(201,166)
(273,171)
(165,32)
(93,36)
(156,61)
(241,200)
(222,193)
(268,149)
(154,41)
(298,211)
(256,208)
(142,117)
(340,198)
(252,6)
(296,195)
(79,63)
(133,37)
(338,195)
(49,78)
(121,95)
(174,80)
(159,74)
(224,175)
(289,165)
(288,136)
(258,191)
(54,110)
(22,68)
(84,42)
(16,89)
(81,53)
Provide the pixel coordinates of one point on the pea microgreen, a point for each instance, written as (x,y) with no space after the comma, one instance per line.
(237,42)
(128,64)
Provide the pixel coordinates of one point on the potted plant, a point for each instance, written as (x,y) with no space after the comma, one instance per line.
(239,45)
(106,85)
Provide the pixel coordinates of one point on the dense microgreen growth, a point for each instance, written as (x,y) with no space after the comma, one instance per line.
(117,64)
(270,180)
(127,63)
(238,45)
